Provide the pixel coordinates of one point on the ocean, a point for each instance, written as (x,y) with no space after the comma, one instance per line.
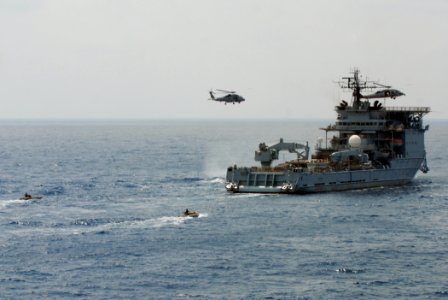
(108,225)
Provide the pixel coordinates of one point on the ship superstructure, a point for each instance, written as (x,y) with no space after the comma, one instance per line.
(369,145)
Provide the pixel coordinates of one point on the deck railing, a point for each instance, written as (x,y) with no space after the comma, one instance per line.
(409,109)
(418,109)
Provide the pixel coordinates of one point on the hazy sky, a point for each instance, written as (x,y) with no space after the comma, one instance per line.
(159,58)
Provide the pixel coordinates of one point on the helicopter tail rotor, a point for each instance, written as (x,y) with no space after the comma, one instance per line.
(211,95)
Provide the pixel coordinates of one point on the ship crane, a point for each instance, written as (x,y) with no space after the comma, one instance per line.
(266,154)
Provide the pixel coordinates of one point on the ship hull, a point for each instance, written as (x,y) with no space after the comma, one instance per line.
(245,180)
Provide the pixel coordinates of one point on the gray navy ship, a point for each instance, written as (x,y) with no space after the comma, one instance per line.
(371,145)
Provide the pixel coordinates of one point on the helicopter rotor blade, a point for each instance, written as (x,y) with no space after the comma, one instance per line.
(382,85)
(225,91)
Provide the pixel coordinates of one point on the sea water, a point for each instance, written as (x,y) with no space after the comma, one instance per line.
(109,226)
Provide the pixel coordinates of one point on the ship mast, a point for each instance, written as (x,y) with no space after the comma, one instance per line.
(356,85)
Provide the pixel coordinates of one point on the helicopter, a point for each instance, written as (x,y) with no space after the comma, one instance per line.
(392,93)
(230,97)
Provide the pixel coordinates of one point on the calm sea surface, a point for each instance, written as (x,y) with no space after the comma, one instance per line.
(108,226)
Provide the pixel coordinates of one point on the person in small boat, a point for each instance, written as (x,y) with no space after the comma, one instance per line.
(188,213)
(27,196)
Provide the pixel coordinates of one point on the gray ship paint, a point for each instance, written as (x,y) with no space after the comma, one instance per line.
(371,145)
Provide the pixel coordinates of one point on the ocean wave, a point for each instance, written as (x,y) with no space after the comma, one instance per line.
(26,223)
(99,225)
(348,270)
(53,191)
(180,179)
(219,180)
(6,203)
(442,293)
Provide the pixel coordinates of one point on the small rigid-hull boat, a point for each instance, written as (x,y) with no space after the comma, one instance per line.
(30,197)
(193,214)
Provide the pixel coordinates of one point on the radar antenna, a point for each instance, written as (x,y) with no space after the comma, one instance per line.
(357,84)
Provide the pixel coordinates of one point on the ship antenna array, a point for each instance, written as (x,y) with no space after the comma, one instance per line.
(355,83)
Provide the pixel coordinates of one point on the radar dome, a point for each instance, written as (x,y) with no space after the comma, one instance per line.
(354,141)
